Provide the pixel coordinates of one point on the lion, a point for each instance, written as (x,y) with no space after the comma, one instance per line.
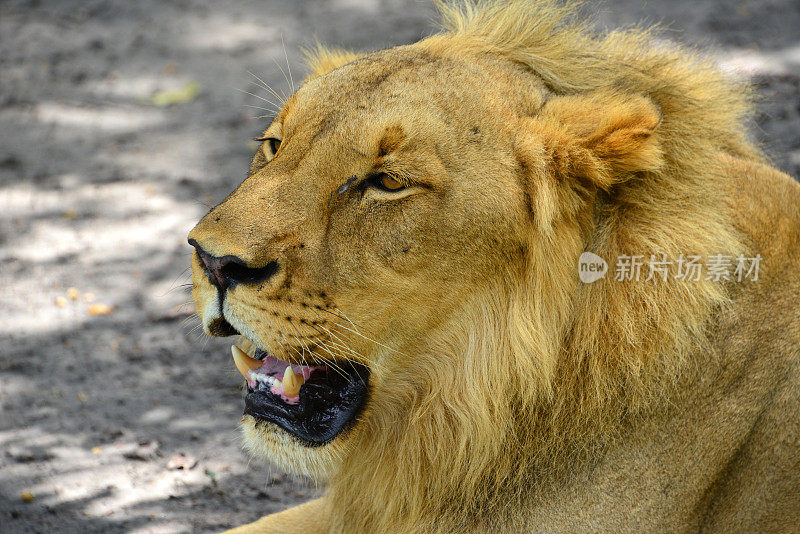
(403,265)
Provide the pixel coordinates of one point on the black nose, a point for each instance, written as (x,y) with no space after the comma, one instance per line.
(227,271)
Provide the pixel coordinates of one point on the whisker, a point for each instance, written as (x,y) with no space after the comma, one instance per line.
(172,284)
(335,366)
(348,351)
(297,351)
(341,340)
(340,314)
(188,319)
(334,314)
(356,332)
(301,354)
(195,328)
(353,354)
(180,287)
(348,319)
(350,356)
(266,86)
(288,67)
(267,100)
(285,77)
(263,85)
(206,339)
(305,348)
(260,107)
(367,338)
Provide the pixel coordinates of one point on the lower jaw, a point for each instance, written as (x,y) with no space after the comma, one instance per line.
(328,405)
(273,445)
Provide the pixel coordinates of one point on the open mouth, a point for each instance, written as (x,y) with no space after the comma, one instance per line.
(312,402)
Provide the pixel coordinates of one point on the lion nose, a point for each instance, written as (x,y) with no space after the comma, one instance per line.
(227,271)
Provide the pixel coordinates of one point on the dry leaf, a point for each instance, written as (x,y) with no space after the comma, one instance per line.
(100,309)
(184,94)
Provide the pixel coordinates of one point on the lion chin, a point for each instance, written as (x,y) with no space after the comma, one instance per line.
(404,267)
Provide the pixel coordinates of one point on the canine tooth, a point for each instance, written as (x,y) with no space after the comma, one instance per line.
(244,363)
(291,382)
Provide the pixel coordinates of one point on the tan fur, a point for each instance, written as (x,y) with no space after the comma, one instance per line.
(505,395)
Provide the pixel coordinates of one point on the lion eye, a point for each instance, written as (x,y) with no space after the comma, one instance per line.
(272,142)
(384,182)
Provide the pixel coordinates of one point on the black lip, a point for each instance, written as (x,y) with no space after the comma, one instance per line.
(328,403)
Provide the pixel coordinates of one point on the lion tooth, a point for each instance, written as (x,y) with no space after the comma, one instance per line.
(244,363)
(292,382)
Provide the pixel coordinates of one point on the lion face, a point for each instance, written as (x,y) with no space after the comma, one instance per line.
(382,196)
(388,192)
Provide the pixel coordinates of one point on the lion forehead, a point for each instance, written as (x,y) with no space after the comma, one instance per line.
(417,84)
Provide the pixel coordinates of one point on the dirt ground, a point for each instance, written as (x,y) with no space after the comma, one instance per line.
(120,122)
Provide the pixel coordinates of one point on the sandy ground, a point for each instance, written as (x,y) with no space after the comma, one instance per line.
(120,122)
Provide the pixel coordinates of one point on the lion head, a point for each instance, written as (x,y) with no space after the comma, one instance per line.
(405,250)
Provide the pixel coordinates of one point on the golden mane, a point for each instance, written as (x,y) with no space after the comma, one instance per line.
(544,369)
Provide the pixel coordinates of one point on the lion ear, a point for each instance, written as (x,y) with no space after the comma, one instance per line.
(321,60)
(600,139)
